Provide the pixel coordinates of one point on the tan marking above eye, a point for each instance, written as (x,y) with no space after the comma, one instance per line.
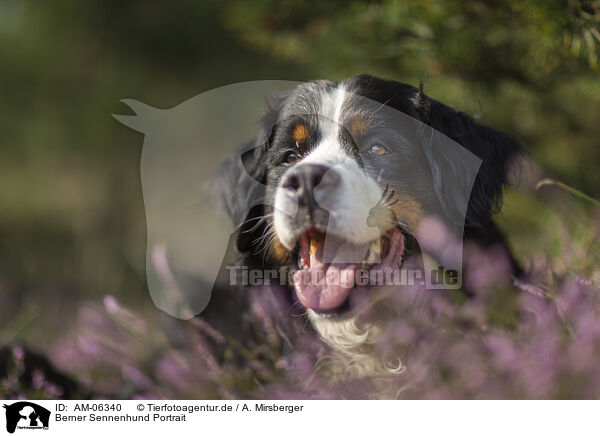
(359,126)
(300,133)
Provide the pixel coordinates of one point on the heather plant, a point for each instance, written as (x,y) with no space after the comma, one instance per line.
(537,336)
(27,375)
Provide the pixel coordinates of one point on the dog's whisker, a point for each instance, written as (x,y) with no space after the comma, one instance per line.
(393,202)
(382,105)
(259,220)
(383,194)
(392,193)
(267,232)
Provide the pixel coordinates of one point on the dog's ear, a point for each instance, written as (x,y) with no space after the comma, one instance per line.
(239,186)
(453,174)
(241,181)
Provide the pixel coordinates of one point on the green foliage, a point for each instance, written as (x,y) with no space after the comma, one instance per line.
(476,40)
(530,67)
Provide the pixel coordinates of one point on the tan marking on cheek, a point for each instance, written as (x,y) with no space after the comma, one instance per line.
(360,126)
(300,133)
(278,252)
(408,210)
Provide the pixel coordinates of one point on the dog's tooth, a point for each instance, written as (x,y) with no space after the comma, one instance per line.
(375,247)
(313,246)
(372,258)
(364,264)
(369,259)
(312,251)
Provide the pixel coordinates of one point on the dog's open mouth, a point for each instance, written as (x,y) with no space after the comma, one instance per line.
(330,268)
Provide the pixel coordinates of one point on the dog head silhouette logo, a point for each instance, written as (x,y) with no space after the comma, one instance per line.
(26,415)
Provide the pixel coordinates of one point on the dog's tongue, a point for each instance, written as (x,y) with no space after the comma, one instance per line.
(327,283)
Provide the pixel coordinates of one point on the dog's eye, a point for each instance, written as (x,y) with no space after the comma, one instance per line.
(292,157)
(378,150)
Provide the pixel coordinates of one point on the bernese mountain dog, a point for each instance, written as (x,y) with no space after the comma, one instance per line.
(345,185)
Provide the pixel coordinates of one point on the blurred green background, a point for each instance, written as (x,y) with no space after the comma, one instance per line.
(72,223)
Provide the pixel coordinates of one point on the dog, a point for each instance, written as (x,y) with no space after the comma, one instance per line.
(350,172)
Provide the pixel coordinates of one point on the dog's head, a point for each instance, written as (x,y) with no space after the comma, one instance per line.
(347,181)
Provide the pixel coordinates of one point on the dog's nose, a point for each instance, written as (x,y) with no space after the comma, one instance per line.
(304,178)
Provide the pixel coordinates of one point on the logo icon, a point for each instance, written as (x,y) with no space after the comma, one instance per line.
(26,415)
